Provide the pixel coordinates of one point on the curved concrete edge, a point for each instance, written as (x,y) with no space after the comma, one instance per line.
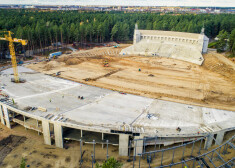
(123,137)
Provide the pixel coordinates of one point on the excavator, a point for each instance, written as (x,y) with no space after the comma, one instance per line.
(8,37)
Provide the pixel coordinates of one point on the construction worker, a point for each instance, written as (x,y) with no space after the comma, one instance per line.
(50,100)
(178,129)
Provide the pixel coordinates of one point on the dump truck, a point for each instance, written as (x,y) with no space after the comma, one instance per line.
(54,55)
(116,46)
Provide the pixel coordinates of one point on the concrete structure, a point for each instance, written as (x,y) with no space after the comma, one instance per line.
(2,116)
(178,45)
(208,142)
(123,144)
(102,114)
(58,130)
(220,137)
(46,132)
(6,115)
(138,145)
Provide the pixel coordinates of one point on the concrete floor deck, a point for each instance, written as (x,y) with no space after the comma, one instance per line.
(109,109)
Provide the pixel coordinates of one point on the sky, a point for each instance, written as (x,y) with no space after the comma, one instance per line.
(218,3)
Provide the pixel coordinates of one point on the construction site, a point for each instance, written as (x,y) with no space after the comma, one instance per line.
(127,101)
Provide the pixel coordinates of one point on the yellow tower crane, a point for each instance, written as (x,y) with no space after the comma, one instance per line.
(8,37)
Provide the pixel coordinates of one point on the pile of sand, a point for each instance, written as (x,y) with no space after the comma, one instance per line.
(48,67)
(62,59)
(73,61)
(70,60)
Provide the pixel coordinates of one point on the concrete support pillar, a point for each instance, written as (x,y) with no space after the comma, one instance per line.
(24,122)
(138,145)
(2,116)
(102,140)
(58,131)
(208,141)
(37,125)
(46,132)
(6,114)
(123,144)
(220,137)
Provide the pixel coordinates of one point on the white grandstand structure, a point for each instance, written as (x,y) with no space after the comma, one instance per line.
(178,45)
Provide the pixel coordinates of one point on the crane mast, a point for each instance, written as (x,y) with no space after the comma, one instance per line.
(9,38)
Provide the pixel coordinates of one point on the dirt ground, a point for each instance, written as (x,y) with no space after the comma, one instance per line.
(210,85)
(38,155)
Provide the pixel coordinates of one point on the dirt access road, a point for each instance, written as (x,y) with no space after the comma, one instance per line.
(210,85)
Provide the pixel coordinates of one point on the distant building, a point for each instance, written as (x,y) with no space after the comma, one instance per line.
(29,7)
(179,45)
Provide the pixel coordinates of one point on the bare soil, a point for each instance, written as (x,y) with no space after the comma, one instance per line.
(210,85)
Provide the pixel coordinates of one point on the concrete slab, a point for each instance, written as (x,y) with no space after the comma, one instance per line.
(110,110)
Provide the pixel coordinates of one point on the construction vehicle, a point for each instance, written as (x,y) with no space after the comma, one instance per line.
(116,46)
(8,37)
(106,63)
(55,55)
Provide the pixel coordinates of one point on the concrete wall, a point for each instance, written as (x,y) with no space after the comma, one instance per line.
(58,131)
(220,137)
(208,142)
(205,44)
(46,132)
(2,115)
(137,37)
(138,145)
(123,144)
(6,116)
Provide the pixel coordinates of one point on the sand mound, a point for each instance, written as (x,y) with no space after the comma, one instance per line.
(54,63)
(48,67)
(73,61)
(69,60)
(62,59)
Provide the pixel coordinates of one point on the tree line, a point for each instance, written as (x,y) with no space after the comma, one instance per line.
(43,28)
(225,42)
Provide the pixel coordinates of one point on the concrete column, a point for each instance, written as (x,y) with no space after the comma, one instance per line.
(46,132)
(58,131)
(102,140)
(37,125)
(138,145)
(220,137)
(7,120)
(24,123)
(208,141)
(123,144)
(1,115)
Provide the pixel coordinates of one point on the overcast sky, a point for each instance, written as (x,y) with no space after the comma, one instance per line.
(219,3)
